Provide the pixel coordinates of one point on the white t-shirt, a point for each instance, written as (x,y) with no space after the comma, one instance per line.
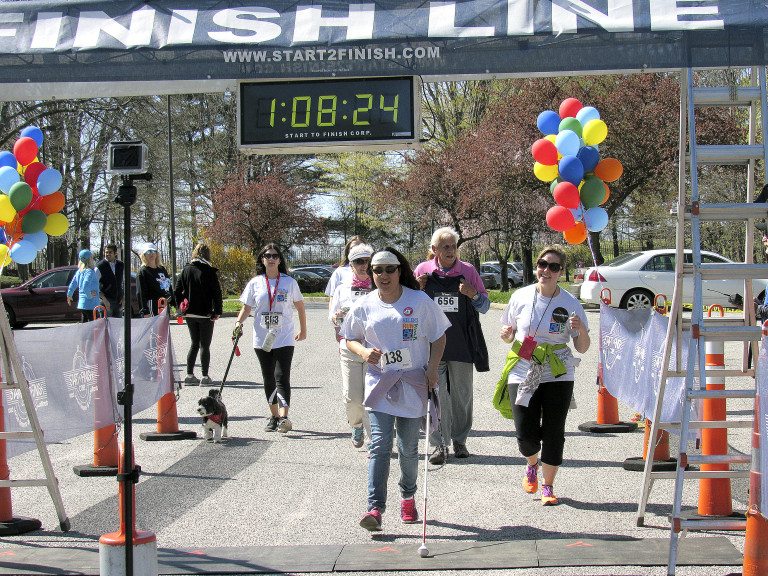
(342,275)
(412,323)
(549,321)
(285,291)
(344,297)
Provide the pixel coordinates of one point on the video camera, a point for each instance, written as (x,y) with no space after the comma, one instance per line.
(127,158)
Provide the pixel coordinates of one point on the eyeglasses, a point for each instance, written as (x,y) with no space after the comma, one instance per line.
(151,252)
(388,269)
(554,266)
(359,261)
(270,256)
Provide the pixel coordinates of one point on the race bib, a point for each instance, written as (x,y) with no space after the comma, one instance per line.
(396,360)
(271,319)
(356,293)
(447,301)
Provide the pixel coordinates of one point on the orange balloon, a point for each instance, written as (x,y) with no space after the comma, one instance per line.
(576,234)
(607,194)
(51,203)
(13,228)
(609,169)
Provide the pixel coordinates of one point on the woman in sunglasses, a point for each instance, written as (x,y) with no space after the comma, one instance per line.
(540,320)
(153,280)
(399,332)
(343,272)
(353,368)
(272,295)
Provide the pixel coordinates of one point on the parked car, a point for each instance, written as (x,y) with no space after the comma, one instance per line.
(309,281)
(320,270)
(635,278)
(514,272)
(44,298)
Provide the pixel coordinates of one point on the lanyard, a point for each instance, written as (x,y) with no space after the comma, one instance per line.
(270,294)
(533,309)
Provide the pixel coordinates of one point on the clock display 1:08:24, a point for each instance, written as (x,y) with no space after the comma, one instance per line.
(325,110)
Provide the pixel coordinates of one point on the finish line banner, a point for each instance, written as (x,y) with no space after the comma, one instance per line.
(210,40)
(632,354)
(74,374)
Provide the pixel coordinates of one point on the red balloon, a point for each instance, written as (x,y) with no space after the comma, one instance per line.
(560,218)
(566,195)
(32,172)
(544,152)
(52,203)
(569,108)
(25,151)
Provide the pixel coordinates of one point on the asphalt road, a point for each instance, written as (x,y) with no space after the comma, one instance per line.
(309,486)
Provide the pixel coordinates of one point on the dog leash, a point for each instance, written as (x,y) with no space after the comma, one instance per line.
(235,352)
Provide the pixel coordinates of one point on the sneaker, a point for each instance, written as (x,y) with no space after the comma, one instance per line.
(548,497)
(372,520)
(271,424)
(531,479)
(358,437)
(408,512)
(205,381)
(284,426)
(191,380)
(460,450)
(439,456)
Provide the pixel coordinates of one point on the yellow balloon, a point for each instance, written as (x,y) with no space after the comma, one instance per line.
(551,137)
(595,132)
(545,173)
(7,211)
(56,225)
(5,255)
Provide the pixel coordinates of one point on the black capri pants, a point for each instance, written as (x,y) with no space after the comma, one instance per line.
(540,426)
(276,372)
(201,333)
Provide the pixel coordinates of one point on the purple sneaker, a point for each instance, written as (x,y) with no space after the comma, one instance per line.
(531,479)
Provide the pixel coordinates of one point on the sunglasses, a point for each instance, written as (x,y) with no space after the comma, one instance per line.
(379,270)
(151,252)
(554,266)
(359,261)
(270,256)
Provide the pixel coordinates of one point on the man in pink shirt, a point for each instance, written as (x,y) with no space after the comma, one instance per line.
(456,370)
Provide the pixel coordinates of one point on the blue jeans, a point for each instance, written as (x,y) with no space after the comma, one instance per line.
(382,426)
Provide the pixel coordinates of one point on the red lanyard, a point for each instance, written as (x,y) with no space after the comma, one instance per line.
(270,294)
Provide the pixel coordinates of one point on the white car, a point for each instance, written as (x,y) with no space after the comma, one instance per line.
(635,279)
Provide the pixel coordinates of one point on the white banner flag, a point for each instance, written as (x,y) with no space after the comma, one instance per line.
(762,390)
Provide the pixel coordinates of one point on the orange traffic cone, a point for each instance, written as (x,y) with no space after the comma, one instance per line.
(661,458)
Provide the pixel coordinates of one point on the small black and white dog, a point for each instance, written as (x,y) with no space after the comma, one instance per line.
(214,414)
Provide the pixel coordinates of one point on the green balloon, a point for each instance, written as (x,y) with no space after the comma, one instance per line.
(33,221)
(20,195)
(552,185)
(570,124)
(592,192)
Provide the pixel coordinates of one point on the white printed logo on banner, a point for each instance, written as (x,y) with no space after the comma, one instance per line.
(119,364)
(81,380)
(639,358)
(155,354)
(37,389)
(613,345)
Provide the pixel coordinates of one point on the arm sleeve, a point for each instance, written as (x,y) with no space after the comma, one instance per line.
(143,292)
(178,291)
(73,285)
(218,300)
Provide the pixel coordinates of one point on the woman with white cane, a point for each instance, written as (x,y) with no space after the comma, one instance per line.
(400,332)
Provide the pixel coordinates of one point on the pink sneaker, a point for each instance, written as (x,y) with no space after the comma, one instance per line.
(372,520)
(408,513)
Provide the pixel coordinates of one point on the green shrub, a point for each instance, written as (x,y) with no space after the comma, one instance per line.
(9,281)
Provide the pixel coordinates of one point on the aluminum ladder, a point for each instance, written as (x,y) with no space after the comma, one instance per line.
(14,379)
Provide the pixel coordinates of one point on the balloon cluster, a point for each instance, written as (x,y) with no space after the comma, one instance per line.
(30,203)
(569,158)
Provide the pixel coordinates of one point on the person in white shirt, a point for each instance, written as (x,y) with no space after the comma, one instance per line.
(272,295)
(352,366)
(343,272)
(399,332)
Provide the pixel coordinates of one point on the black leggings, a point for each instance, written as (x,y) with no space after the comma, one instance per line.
(201,332)
(276,372)
(85,315)
(540,426)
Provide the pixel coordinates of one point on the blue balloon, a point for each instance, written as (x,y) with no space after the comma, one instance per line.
(589,156)
(8,177)
(596,219)
(567,143)
(571,170)
(586,114)
(8,159)
(548,122)
(35,133)
(48,182)
(578,213)
(23,252)
(3,237)
(38,239)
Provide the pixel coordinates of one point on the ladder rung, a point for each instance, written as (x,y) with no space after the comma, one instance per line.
(715,373)
(716,321)
(23,483)
(709,424)
(17,435)
(726,95)
(731,333)
(730,271)
(698,393)
(712,523)
(719,459)
(699,474)
(729,211)
(9,386)
(728,154)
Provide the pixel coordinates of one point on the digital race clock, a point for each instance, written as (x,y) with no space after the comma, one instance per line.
(328,115)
